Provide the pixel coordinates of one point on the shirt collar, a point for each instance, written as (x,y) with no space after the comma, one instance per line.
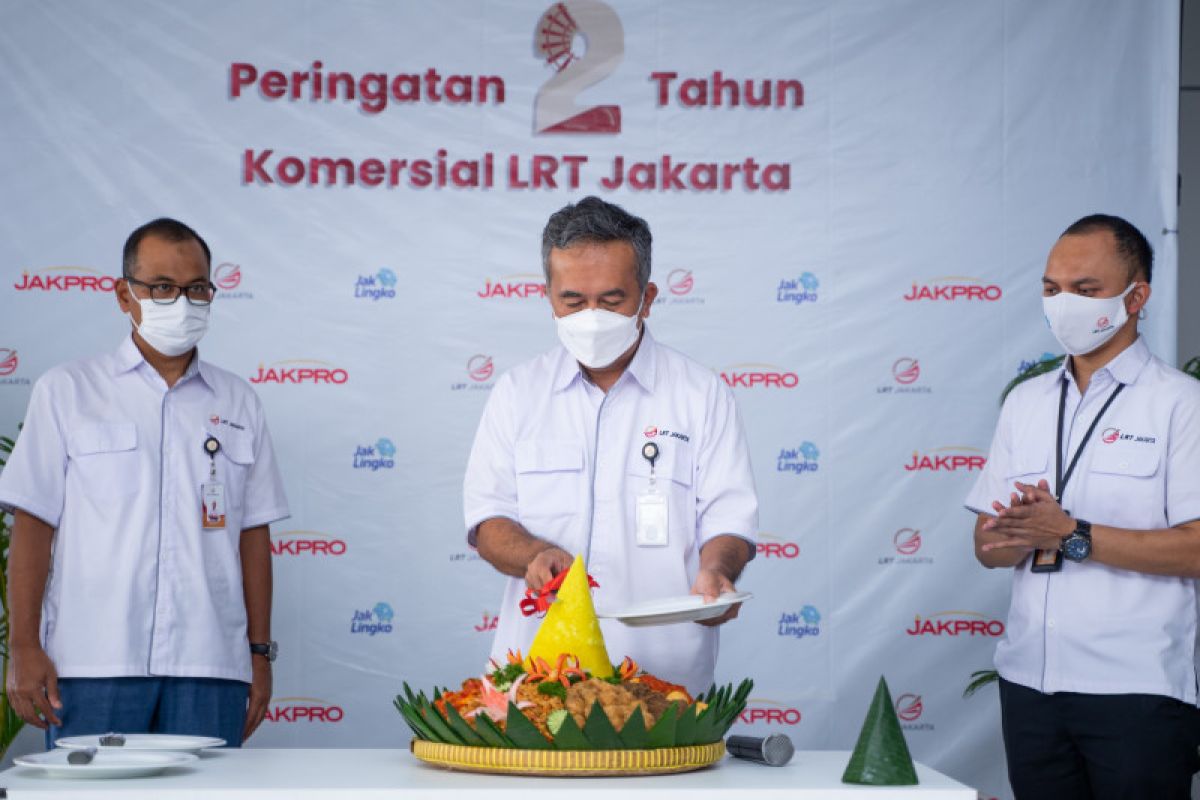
(641,369)
(1125,366)
(128,358)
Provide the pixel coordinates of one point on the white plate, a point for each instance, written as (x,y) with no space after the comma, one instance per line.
(106,764)
(144,741)
(669,610)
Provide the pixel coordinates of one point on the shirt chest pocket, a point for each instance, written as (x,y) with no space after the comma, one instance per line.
(1027,468)
(549,477)
(673,476)
(104,459)
(235,459)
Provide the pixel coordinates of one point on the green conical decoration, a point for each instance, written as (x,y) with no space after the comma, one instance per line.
(881,757)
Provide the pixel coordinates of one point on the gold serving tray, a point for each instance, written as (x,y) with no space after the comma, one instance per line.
(568,763)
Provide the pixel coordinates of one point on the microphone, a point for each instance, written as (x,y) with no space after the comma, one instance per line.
(774,751)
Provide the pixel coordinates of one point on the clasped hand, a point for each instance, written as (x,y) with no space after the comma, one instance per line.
(1032,520)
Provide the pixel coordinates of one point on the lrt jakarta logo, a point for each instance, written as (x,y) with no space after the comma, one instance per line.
(680,281)
(907,541)
(370,621)
(227,276)
(381,455)
(584,42)
(311,372)
(380,286)
(8,361)
(1109,436)
(290,710)
(65,279)
(480,368)
(798,290)
(909,707)
(906,371)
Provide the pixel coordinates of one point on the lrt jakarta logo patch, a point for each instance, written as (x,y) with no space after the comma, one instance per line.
(1111,435)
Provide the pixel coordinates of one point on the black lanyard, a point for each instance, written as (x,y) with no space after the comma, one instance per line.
(1060,480)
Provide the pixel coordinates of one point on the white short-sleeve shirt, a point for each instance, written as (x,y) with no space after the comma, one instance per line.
(114,461)
(565,460)
(1093,628)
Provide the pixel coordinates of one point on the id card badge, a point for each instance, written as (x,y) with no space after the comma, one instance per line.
(651,518)
(212,498)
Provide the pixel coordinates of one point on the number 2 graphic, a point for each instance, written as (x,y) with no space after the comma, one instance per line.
(555,110)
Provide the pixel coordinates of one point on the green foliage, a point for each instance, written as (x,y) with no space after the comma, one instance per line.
(553,689)
(10,723)
(675,728)
(1039,368)
(979,679)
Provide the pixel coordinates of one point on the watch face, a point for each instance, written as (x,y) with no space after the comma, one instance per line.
(1077,548)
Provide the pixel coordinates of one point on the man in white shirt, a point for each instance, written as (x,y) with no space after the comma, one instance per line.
(1091,494)
(143,484)
(572,443)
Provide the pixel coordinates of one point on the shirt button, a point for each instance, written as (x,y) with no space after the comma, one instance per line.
(1049,623)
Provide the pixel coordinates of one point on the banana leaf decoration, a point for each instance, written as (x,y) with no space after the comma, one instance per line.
(676,727)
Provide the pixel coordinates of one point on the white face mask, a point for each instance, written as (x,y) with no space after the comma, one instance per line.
(174,329)
(1083,324)
(597,337)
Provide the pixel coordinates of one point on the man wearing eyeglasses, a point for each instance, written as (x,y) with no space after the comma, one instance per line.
(143,485)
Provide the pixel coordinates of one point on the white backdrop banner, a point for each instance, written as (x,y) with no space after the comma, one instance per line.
(851,204)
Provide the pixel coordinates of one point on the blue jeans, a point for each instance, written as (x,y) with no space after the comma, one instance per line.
(187,706)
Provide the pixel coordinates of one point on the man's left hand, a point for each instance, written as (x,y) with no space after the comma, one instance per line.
(1038,521)
(260,695)
(712,585)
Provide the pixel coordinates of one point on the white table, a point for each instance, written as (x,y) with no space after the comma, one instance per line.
(253,774)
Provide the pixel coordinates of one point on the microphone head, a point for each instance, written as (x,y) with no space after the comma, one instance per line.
(777,749)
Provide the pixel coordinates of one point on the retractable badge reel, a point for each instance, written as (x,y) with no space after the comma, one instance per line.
(651,516)
(212,491)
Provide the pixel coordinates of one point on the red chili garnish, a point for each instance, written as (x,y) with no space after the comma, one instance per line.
(538,602)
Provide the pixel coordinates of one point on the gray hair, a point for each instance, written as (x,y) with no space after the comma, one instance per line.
(593,220)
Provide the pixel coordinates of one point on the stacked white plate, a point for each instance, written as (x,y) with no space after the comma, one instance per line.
(143,754)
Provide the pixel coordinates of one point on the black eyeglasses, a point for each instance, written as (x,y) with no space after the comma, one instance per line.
(164,294)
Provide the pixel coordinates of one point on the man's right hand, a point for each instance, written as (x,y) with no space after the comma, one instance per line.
(546,565)
(33,686)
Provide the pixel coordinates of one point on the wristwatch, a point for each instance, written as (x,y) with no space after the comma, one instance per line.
(268,649)
(1078,545)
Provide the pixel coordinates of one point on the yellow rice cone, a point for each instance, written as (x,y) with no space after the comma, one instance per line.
(571,627)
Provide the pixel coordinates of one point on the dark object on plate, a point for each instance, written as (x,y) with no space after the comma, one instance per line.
(84,756)
(112,740)
(774,751)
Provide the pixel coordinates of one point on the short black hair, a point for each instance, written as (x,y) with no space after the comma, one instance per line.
(164,228)
(1132,246)
(594,220)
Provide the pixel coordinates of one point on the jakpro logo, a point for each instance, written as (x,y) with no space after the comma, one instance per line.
(302,709)
(306,543)
(798,460)
(759,376)
(802,623)
(947,459)
(906,370)
(760,710)
(561,29)
(480,368)
(227,276)
(520,286)
(8,361)
(680,281)
(907,541)
(798,290)
(909,707)
(65,279)
(954,287)
(381,455)
(370,621)
(312,372)
(776,547)
(956,623)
